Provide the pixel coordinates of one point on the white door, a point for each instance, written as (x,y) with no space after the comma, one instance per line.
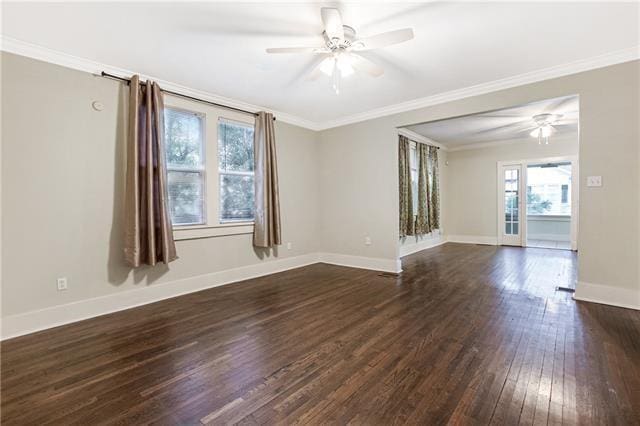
(510,201)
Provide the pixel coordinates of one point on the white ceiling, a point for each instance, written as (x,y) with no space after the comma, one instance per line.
(505,124)
(219,47)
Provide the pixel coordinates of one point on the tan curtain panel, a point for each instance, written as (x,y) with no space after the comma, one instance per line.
(404,179)
(148,232)
(434,192)
(422,216)
(266,231)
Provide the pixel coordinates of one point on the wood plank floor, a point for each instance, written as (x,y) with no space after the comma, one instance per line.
(466,335)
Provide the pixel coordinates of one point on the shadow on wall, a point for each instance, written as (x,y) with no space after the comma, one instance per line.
(264,253)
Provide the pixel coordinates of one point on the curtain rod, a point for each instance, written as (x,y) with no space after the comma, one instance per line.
(409,136)
(181,95)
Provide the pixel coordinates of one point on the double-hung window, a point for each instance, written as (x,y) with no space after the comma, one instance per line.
(185,152)
(235,165)
(210,176)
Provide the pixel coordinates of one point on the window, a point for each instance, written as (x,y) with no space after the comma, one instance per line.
(549,190)
(210,177)
(184,146)
(235,165)
(565,194)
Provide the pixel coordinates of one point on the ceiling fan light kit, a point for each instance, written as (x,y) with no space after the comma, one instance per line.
(341,43)
(544,127)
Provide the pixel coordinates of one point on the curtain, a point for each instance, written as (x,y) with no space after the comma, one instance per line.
(266,232)
(434,192)
(422,217)
(148,231)
(404,179)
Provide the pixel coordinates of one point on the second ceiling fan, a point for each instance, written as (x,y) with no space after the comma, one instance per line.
(341,44)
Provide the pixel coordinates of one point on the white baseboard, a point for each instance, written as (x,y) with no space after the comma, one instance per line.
(30,322)
(607,295)
(373,263)
(472,239)
(423,244)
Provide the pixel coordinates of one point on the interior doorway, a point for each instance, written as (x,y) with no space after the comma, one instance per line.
(537,203)
(548,205)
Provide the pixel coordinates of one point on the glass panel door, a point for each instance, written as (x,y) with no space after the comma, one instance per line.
(511,195)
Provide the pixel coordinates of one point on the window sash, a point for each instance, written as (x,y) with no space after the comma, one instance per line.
(223,171)
(203,207)
(199,169)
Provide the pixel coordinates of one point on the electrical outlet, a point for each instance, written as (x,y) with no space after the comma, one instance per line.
(62,283)
(367,241)
(289,246)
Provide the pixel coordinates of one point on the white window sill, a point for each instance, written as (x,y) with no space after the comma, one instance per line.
(205,231)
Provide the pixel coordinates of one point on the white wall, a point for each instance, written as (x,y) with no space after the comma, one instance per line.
(359,177)
(62,183)
(471,174)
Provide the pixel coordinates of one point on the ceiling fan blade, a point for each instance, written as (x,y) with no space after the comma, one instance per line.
(384,39)
(364,65)
(332,22)
(517,127)
(296,50)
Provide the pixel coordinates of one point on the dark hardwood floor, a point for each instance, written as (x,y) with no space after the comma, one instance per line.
(466,335)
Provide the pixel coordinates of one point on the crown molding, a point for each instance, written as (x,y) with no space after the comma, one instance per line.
(22,48)
(611,58)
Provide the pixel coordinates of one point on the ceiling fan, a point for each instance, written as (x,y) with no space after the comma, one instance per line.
(560,114)
(339,57)
(545,126)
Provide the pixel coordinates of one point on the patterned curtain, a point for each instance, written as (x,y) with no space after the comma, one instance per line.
(434,193)
(422,218)
(404,178)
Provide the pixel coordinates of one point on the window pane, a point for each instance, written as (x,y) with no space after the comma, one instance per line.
(184,139)
(186,197)
(235,146)
(549,190)
(236,197)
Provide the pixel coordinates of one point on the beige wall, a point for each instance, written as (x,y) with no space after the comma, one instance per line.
(359,172)
(62,191)
(472,202)
(61,185)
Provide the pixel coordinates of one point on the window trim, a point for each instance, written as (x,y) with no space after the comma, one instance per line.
(212,227)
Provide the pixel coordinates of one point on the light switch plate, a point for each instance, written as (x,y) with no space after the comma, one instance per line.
(594,181)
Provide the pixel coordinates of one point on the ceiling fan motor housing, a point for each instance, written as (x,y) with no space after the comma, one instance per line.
(341,44)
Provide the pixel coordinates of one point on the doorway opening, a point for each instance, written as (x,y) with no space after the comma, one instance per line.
(549,205)
(538,203)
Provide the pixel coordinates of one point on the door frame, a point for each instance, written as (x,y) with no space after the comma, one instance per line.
(575,193)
